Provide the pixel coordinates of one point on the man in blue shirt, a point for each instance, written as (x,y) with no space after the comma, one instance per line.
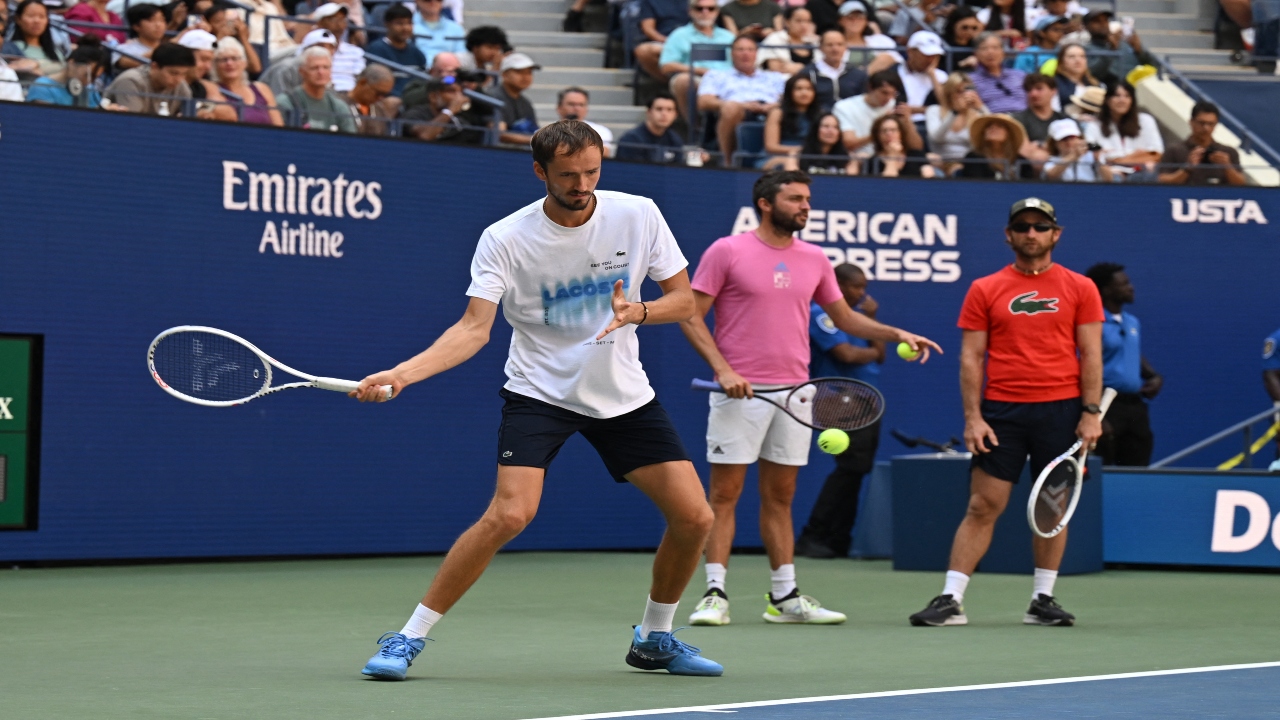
(829,531)
(397,45)
(1126,431)
(653,141)
(1271,381)
(444,35)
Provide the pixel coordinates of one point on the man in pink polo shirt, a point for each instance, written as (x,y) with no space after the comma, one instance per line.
(761,284)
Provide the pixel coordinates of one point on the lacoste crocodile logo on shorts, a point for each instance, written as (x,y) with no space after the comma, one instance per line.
(506,454)
(1028,304)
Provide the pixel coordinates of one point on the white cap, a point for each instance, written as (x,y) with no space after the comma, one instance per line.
(328,9)
(518,61)
(926,42)
(198,40)
(852,6)
(1064,128)
(319,37)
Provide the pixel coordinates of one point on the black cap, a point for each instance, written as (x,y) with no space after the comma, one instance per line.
(1033,203)
(1098,13)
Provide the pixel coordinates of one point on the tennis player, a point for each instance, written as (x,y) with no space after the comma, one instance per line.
(1038,328)
(567,271)
(761,284)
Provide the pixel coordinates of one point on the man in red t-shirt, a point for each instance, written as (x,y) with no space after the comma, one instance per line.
(1037,327)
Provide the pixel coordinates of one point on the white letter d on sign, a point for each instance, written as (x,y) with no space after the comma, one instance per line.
(1224,515)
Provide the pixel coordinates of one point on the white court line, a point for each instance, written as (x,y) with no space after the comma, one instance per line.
(919,691)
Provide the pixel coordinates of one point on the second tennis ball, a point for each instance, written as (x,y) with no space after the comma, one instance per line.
(906,353)
(833,441)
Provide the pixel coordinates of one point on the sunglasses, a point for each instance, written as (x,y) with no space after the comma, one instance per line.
(705,8)
(1021,227)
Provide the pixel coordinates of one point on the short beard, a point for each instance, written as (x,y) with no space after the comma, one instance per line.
(786,223)
(582,204)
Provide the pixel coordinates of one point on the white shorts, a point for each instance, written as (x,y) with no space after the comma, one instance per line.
(740,432)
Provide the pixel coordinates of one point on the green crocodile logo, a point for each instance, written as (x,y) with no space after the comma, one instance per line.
(1027,304)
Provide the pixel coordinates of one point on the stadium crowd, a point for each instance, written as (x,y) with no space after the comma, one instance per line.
(1012,90)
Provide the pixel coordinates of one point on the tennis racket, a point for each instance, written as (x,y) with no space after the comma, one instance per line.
(1056,492)
(215,368)
(822,403)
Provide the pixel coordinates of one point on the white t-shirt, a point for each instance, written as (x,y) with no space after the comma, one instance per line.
(855,114)
(918,87)
(555,285)
(606,135)
(1116,145)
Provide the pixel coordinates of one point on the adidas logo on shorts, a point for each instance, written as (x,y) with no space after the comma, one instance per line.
(717,451)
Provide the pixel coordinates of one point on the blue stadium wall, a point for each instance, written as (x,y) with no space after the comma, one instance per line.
(114,228)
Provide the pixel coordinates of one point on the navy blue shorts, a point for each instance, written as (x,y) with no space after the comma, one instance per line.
(1042,430)
(533,432)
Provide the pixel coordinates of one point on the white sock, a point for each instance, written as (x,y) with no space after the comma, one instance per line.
(784,581)
(420,624)
(657,616)
(715,576)
(956,584)
(1044,582)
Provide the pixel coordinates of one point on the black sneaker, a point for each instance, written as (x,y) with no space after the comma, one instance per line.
(942,610)
(1045,610)
(573,21)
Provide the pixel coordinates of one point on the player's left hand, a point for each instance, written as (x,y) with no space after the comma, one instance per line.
(1089,430)
(920,344)
(624,312)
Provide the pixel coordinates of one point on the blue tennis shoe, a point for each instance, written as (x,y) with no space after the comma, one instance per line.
(662,651)
(394,657)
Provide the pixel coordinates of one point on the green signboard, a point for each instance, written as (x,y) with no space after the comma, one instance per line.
(21,358)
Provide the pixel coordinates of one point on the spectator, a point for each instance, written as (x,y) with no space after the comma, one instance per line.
(1006,18)
(756,17)
(1086,104)
(823,151)
(371,101)
(444,35)
(1201,160)
(254,102)
(348,59)
(1072,73)
(1271,373)
(574,17)
(999,87)
(280,44)
(868,48)
(1072,10)
(85,65)
(833,78)
(1046,34)
(1070,159)
(486,46)
(33,43)
(200,42)
(787,126)
(1110,68)
(653,141)
(396,46)
(961,35)
(156,89)
(658,20)
(675,62)
(1041,92)
(284,75)
(96,12)
(856,114)
(314,106)
(1130,140)
(573,103)
(355,13)
(892,158)
(1266,26)
(797,30)
(1126,430)
(742,93)
(909,20)
(224,23)
(996,140)
(445,64)
(519,121)
(948,122)
(921,78)
(10,86)
(825,14)
(442,117)
(175,16)
(147,23)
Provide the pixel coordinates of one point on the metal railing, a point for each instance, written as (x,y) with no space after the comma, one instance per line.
(1244,426)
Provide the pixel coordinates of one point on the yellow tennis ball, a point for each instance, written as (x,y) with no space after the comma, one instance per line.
(833,441)
(906,353)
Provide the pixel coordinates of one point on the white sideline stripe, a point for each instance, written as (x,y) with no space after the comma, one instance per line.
(919,691)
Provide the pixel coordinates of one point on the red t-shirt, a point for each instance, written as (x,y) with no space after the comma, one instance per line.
(1031,324)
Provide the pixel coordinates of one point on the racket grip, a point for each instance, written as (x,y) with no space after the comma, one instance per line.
(345,386)
(706,385)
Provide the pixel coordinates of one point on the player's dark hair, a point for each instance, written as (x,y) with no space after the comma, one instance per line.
(171,55)
(661,95)
(397,12)
(487,35)
(568,136)
(1204,107)
(769,184)
(848,272)
(1103,274)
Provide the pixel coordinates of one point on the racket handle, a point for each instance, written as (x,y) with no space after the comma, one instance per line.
(1108,394)
(345,386)
(706,385)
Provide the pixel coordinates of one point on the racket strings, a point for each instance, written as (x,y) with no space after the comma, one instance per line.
(1054,498)
(844,405)
(210,367)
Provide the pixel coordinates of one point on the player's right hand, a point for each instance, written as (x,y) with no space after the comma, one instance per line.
(370,389)
(735,386)
(976,433)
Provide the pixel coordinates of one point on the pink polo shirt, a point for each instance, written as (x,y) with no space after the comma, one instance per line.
(762,296)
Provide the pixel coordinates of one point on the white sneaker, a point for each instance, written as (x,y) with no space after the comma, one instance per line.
(801,609)
(712,610)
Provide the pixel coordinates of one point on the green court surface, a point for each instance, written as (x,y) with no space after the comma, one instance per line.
(544,634)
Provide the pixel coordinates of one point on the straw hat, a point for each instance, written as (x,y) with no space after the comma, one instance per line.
(979,126)
(1089,99)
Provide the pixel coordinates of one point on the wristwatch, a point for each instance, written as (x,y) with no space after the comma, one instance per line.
(1092,409)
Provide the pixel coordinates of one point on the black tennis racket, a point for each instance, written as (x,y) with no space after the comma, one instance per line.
(1056,492)
(821,403)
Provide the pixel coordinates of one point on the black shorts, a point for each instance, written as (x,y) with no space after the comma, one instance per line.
(1042,430)
(533,431)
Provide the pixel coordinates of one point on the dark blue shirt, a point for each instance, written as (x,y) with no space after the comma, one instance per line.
(823,336)
(1121,353)
(667,14)
(1271,352)
(410,56)
(640,145)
